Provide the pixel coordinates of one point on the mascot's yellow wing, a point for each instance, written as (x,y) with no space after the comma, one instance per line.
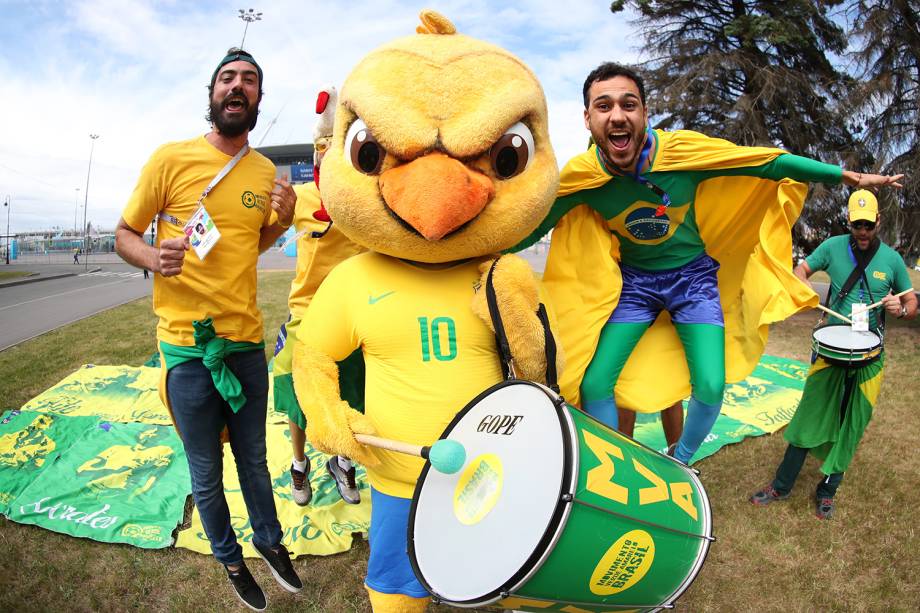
(745,223)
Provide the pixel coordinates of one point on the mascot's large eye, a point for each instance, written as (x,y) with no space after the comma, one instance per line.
(363,150)
(513,151)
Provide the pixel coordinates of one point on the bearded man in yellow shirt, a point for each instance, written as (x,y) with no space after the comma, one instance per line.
(210,329)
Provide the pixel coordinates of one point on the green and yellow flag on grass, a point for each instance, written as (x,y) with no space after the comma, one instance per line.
(93,457)
(96,456)
(109,481)
(761,404)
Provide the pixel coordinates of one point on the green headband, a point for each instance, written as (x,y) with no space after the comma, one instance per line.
(233,57)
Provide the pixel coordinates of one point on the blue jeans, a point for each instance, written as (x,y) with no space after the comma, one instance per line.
(201,415)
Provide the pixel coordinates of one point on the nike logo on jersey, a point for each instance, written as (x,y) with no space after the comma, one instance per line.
(375,300)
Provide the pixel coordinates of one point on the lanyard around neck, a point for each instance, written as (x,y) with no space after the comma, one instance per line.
(223,173)
(638,178)
(862,280)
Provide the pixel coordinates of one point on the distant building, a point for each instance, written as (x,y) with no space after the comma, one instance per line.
(295,160)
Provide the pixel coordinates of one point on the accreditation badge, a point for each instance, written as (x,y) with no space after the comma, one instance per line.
(201,232)
(860,317)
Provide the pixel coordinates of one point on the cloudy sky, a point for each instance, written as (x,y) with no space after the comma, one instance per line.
(135,73)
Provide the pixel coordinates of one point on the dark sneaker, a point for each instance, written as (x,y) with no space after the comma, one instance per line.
(344,481)
(279,562)
(824,508)
(766,496)
(300,486)
(248,591)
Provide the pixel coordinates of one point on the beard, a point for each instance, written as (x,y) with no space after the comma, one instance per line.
(621,159)
(233,125)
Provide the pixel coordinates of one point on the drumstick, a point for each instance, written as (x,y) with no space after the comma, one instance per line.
(446,456)
(835,314)
(898,295)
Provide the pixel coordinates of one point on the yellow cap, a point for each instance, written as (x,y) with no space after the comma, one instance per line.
(862,205)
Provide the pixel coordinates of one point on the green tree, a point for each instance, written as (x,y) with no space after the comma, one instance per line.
(888,58)
(755,72)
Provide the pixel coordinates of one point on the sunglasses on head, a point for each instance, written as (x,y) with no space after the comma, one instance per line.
(862,224)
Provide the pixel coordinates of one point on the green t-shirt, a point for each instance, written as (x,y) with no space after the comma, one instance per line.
(651,243)
(885,273)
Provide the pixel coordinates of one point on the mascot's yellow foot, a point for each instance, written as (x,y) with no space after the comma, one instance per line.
(396,603)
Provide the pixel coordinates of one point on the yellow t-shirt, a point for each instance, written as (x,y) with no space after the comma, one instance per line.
(427,354)
(315,256)
(223,285)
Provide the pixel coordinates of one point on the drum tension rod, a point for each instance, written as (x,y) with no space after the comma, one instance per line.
(567,498)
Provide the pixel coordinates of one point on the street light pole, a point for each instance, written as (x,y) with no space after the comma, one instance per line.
(92,145)
(76,207)
(248,16)
(7,205)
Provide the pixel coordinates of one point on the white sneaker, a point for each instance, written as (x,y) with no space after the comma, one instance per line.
(344,481)
(300,486)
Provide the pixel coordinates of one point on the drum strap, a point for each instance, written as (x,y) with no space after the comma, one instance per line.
(501,339)
(552,380)
(859,271)
(860,261)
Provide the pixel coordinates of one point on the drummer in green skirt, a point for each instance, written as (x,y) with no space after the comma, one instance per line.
(837,401)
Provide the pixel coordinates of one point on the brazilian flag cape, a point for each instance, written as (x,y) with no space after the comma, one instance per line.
(745,223)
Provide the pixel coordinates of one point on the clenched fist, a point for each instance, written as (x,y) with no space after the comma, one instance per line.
(171,255)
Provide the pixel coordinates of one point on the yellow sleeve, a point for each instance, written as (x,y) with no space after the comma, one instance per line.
(149,195)
(271,216)
(308,202)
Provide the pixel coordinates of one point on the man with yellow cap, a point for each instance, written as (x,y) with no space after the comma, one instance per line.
(837,401)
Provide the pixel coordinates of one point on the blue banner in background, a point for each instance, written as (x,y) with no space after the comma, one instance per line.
(301,173)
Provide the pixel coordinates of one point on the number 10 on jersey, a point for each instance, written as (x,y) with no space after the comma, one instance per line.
(439,337)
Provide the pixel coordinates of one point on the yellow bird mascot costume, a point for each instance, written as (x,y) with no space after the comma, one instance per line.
(440,159)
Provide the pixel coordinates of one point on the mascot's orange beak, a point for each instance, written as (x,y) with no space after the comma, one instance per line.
(436,194)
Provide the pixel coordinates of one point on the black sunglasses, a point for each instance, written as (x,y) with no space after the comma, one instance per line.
(862,225)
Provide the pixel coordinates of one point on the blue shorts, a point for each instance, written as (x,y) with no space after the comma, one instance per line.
(388,568)
(689,293)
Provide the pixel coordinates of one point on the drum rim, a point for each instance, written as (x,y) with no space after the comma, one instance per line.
(557,521)
(707,539)
(879,344)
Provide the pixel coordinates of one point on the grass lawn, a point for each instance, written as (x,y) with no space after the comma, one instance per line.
(779,558)
(6,275)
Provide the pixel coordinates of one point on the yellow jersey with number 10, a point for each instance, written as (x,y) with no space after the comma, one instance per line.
(427,354)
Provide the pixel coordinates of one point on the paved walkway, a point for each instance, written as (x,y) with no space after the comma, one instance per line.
(60,265)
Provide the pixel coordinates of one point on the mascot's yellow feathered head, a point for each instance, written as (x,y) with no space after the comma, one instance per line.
(440,150)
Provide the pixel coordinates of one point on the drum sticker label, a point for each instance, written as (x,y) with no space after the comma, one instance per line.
(624,564)
(478,489)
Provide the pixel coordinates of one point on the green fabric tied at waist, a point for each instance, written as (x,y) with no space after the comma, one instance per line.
(212,350)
